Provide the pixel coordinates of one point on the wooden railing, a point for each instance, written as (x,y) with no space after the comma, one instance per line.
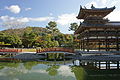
(54,49)
(10,50)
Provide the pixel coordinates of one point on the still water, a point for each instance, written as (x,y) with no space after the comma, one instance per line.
(53,71)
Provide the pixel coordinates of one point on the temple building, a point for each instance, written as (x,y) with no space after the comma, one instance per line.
(97,32)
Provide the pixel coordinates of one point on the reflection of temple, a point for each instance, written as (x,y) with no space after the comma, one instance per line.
(100,37)
(96,32)
(90,73)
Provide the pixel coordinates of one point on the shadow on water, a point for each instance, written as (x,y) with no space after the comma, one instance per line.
(53,71)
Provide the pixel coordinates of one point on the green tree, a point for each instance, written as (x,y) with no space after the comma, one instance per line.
(52,27)
(69,40)
(44,41)
(28,39)
(28,29)
(73,27)
(47,37)
(2,36)
(38,41)
(52,44)
(14,40)
(56,43)
(61,39)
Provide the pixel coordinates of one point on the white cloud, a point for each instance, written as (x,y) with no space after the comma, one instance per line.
(13,22)
(27,9)
(114,2)
(106,3)
(102,3)
(50,14)
(65,71)
(66,19)
(6,18)
(14,8)
(25,19)
(40,19)
(114,16)
(90,3)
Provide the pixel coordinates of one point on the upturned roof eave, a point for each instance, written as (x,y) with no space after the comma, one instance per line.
(83,11)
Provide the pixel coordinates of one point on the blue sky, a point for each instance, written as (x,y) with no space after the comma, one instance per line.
(39,12)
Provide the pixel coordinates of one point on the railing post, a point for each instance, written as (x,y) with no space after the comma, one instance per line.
(117,64)
(99,65)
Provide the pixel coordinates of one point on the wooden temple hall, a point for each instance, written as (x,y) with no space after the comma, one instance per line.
(97,32)
(99,38)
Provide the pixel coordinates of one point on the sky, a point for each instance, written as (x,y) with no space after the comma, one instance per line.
(37,13)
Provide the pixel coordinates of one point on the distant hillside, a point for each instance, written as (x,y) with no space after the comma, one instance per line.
(21,31)
(30,37)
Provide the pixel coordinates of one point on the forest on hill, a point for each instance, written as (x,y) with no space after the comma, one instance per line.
(33,37)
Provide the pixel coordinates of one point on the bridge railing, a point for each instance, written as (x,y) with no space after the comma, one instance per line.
(10,50)
(54,49)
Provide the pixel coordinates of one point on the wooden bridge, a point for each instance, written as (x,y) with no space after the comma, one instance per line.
(10,50)
(54,50)
(56,53)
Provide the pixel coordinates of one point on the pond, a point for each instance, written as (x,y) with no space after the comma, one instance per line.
(53,71)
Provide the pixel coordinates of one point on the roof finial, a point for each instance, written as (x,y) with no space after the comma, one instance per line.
(114,7)
(80,6)
(92,6)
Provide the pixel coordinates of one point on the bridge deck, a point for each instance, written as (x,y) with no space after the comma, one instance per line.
(98,52)
(99,58)
(54,50)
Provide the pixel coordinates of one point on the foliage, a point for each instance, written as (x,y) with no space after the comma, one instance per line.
(30,37)
(73,27)
(52,27)
(13,40)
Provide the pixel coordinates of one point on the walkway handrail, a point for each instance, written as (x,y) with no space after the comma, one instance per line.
(10,50)
(54,49)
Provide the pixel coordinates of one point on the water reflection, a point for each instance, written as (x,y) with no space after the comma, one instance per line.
(49,71)
(35,71)
(52,71)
